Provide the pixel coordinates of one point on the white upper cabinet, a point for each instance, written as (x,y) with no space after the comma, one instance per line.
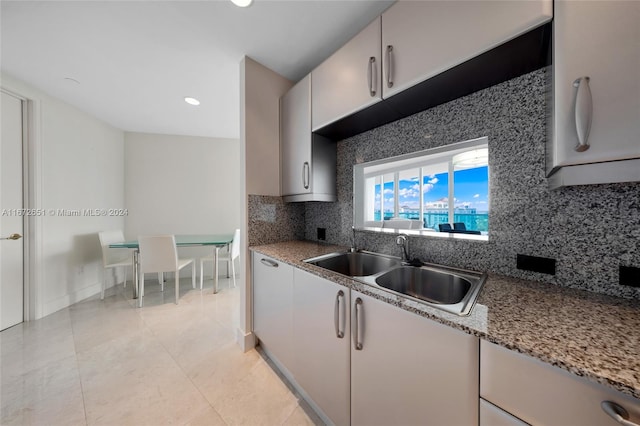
(596,85)
(295,140)
(421,39)
(308,161)
(349,80)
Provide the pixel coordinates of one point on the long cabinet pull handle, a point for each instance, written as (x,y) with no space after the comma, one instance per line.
(371,74)
(305,175)
(389,66)
(336,315)
(356,329)
(269,263)
(617,413)
(583,106)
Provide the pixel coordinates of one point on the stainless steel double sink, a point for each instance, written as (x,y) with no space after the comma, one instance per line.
(450,289)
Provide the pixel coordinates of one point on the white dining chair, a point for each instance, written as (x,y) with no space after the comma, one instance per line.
(229,257)
(112,259)
(158,253)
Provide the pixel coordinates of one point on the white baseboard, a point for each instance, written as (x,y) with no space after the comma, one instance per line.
(69,299)
(246,341)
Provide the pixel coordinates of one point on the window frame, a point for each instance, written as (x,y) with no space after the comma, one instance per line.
(416,160)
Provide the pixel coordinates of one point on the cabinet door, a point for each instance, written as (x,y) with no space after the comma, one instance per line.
(295,149)
(321,368)
(349,80)
(541,394)
(599,40)
(272,283)
(421,39)
(410,370)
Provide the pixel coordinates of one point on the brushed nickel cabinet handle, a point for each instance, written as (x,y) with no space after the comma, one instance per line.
(371,74)
(356,329)
(583,106)
(617,413)
(336,315)
(389,66)
(305,175)
(269,263)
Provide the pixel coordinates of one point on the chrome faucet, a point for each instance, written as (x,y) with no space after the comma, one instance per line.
(403,241)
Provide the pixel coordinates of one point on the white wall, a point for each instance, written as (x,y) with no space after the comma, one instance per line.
(260,109)
(260,92)
(78,163)
(181,185)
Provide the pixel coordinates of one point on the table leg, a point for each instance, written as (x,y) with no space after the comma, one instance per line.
(215,269)
(135,274)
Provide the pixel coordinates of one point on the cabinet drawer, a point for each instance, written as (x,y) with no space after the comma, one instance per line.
(541,394)
(490,415)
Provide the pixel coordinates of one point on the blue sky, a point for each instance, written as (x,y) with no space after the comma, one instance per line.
(471,188)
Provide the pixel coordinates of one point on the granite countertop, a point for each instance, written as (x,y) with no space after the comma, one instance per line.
(588,334)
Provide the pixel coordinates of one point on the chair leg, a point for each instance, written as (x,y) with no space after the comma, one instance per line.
(193,274)
(126,269)
(104,283)
(177,285)
(201,272)
(141,290)
(233,271)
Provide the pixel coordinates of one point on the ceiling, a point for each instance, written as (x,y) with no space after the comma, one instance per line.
(133,62)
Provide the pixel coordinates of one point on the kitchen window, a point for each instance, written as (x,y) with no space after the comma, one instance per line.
(443,189)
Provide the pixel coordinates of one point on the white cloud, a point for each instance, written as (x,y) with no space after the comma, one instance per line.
(408,193)
(388,191)
(476,196)
(433,180)
(427,187)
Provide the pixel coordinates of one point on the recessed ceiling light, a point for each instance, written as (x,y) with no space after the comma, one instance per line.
(242,3)
(191,101)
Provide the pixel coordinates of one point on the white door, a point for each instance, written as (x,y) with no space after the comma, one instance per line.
(11,220)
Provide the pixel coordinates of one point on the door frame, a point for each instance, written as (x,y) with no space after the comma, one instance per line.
(31,185)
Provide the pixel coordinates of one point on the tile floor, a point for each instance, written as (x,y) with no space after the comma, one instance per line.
(109,363)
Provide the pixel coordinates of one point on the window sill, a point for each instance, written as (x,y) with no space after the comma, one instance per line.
(428,233)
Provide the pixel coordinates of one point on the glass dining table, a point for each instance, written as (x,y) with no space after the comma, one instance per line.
(216,241)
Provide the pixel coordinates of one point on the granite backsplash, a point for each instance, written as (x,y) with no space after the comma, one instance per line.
(589,230)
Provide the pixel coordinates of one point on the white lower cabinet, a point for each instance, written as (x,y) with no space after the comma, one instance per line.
(362,361)
(272,283)
(321,336)
(407,370)
(490,415)
(540,394)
